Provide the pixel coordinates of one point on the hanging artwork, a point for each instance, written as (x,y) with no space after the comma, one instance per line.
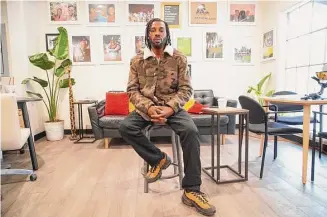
(242,51)
(111,48)
(81,49)
(171,14)
(203,13)
(50,40)
(214,46)
(140,13)
(63,12)
(139,44)
(242,14)
(102,13)
(268,45)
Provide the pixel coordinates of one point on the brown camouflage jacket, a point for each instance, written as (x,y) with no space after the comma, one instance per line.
(164,82)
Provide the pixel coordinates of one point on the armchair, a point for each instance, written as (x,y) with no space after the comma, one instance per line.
(259,123)
(13,137)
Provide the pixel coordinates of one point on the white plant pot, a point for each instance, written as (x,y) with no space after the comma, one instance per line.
(54,130)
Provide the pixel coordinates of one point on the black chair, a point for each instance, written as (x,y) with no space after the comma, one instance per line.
(286,108)
(320,135)
(259,123)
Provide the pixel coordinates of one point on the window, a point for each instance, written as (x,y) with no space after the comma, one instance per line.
(4,54)
(306,45)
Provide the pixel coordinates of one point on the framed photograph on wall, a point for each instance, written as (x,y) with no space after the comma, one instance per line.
(139,13)
(184,44)
(171,13)
(102,13)
(203,13)
(242,13)
(243,51)
(189,67)
(63,12)
(138,42)
(213,47)
(81,50)
(268,45)
(111,45)
(49,40)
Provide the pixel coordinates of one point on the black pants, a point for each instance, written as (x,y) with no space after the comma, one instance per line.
(181,122)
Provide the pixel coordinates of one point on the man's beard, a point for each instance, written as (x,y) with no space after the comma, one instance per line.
(162,44)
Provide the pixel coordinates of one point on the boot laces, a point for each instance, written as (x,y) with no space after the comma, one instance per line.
(201,196)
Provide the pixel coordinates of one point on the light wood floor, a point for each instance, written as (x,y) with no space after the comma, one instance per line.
(86,180)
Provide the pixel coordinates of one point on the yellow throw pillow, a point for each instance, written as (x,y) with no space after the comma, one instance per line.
(131,107)
(189,104)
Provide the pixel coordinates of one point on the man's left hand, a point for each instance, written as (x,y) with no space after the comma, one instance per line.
(165,112)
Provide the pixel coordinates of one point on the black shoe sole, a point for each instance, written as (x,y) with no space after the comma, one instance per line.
(191,203)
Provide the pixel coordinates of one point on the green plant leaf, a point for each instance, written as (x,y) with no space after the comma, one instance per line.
(36,94)
(64,83)
(270,93)
(262,81)
(61,49)
(42,61)
(250,89)
(60,71)
(42,82)
(66,63)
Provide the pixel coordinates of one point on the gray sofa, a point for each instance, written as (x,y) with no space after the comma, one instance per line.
(105,127)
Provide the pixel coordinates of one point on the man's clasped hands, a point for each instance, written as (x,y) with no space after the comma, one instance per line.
(159,114)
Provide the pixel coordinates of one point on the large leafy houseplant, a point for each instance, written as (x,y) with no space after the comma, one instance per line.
(258,89)
(56,65)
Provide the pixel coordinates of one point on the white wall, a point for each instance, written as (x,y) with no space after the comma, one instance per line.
(29,26)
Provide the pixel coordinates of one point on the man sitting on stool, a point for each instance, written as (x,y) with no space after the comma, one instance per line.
(159,85)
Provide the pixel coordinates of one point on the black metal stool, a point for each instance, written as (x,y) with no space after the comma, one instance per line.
(176,161)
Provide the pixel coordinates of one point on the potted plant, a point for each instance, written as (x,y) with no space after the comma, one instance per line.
(56,65)
(258,90)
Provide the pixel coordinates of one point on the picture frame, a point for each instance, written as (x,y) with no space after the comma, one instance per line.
(135,14)
(63,12)
(243,51)
(213,46)
(171,12)
(111,48)
(184,43)
(203,13)
(242,13)
(102,13)
(49,40)
(138,41)
(82,49)
(189,67)
(268,45)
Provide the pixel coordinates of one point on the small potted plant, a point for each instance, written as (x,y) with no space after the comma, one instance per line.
(56,65)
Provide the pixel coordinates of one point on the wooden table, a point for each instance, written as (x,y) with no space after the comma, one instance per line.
(243,114)
(296,100)
(21,103)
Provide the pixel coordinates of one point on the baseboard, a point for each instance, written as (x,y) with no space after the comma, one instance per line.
(39,136)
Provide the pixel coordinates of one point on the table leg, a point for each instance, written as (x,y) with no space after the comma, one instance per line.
(240,137)
(218,148)
(30,140)
(246,146)
(320,129)
(306,133)
(212,145)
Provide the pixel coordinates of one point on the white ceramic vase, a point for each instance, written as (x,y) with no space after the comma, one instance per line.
(54,130)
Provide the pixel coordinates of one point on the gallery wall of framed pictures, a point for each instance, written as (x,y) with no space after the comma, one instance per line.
(111,32)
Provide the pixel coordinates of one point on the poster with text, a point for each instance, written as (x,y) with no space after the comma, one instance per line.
(171,14)
(203,13)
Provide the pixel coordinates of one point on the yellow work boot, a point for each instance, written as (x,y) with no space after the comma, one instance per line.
(155,172)
(200,201)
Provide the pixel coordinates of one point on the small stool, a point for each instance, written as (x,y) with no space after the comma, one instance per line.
(176,161)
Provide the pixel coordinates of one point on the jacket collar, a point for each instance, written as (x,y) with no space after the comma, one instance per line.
(148,53)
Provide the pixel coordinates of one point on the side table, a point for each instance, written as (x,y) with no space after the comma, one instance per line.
(80,104)
(243,114)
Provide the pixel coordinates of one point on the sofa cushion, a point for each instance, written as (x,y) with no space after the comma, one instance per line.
(116,103)
(203,120)
(205,97)
(111,121)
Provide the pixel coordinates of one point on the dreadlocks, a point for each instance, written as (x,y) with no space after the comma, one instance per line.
(147,32)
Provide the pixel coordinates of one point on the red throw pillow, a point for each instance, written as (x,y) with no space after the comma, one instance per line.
(116,104)
(197,108)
